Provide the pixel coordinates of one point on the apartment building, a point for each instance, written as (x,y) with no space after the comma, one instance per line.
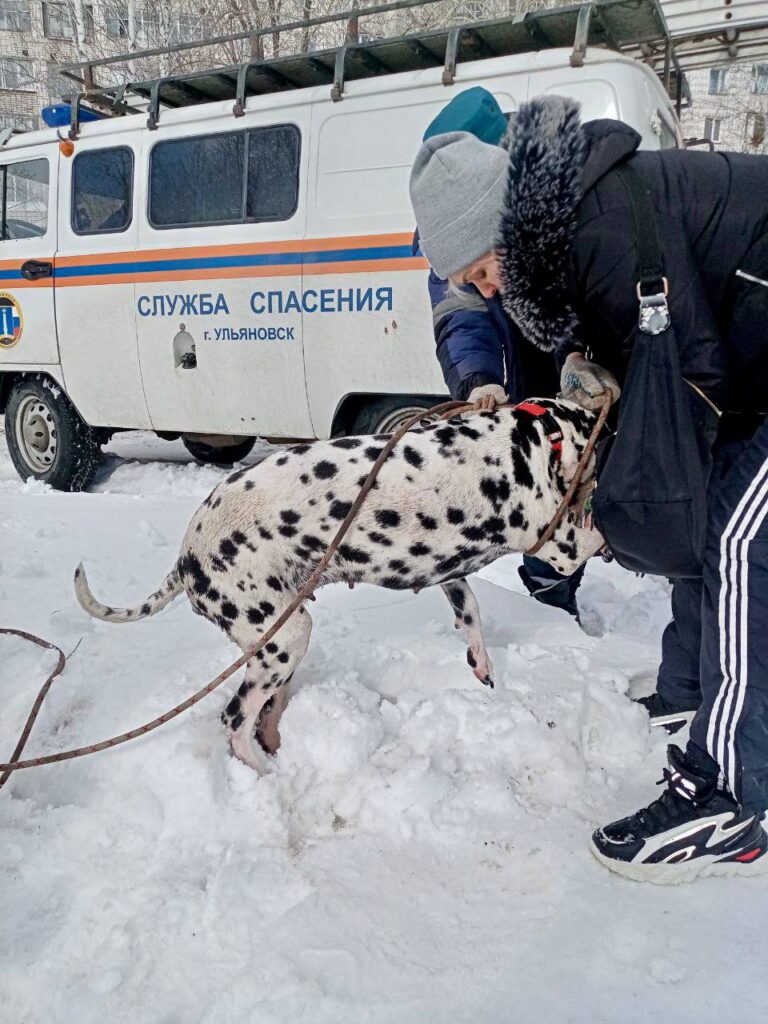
(729,107)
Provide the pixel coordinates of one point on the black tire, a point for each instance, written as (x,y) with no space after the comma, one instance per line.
(385,415)
(208,455)
(46,437)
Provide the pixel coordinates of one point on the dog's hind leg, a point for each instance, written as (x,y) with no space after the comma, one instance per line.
(253,714)
(467,615)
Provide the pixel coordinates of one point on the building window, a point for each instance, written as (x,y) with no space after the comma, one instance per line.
(228,178)
(757,126)
(15,16)
(153,29)
(102,191)
(718,81)
(58,86)
(24,195)
(712,128)
(759,82)
(59,21)
(16,74)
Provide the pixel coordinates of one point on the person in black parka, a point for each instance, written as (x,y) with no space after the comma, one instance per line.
(551,229)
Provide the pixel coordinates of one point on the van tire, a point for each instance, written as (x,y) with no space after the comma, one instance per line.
(208,455)
(46,437)
(384,415)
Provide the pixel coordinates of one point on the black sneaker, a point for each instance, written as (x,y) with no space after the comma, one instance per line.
(693,829)
(664,713)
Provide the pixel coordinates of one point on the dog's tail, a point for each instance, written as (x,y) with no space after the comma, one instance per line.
(170,589)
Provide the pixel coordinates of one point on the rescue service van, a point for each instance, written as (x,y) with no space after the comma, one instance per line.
(218,271)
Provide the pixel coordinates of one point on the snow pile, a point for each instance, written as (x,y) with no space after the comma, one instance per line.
(417,851)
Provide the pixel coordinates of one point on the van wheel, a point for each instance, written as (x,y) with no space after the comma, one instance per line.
(47,439)
(226,456)
(385,415)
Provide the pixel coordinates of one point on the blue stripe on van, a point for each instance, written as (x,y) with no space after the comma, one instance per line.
(255,260)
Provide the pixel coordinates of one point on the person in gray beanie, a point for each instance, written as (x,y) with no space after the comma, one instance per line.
(457,190)
(555,236)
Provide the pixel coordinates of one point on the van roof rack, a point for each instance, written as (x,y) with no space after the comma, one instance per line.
(637,28)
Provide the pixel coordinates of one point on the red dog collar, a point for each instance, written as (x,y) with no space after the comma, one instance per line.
(550,424)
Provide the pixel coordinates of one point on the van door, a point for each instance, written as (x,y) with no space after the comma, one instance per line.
(28,189)
(94,284)
(219,274)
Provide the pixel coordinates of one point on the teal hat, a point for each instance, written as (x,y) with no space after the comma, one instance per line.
(475,111)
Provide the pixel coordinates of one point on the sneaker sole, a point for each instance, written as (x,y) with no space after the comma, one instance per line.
(673,723)
(684,871)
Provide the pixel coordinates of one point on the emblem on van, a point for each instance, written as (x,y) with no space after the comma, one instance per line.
(11,320)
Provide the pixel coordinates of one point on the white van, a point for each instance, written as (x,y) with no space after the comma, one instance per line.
(221,273)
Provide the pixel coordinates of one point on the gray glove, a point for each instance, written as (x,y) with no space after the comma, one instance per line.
(488,396)
(587,383)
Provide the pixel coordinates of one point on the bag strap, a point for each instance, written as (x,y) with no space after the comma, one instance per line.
(652,285)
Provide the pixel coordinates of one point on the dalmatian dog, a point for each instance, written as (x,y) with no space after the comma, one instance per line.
(450,498)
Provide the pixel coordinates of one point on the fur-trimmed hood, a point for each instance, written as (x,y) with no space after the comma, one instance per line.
(553,160)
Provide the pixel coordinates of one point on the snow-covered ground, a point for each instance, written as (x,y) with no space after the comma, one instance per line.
(417,852)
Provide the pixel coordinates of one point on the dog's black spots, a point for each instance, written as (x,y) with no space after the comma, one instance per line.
(466,431)
(260,656)
(496,491)
(446,435)
(218,564)
(399,566)
(387,517)
(228,548)
(264,533)
(412,457)
(239,538)
(229,610)
(198,528)
(419,549)
(447,565)
(489,461)
(312,502)
(283,657)
(304,478)
(236,722)
(362,479)
(379,538)
(473,532)
(234,477)
(190,567)
(255,616)
(353,554)
(569,550)
(456,595)
(427,522)
(346,442)
(216,502)
(516,518)
(213,594)
(471,659)
(145,609)
(249,485)
(466,552)
(300,449)
(409,478)
(281,460)
(493,524)
(324,470)
(339,509)
(267,608)
(467,620)
(571,535)
(241,585)
(233,707)
(287,531)
(454,516)
(394,583)
(539,494)
(274,583)
(372,452)
(271,647)
(290,517)
(521,470)
(312,543)
(245,688)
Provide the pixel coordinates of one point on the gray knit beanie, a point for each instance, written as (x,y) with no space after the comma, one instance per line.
(457,193)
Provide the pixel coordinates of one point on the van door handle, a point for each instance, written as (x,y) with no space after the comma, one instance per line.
(34,269)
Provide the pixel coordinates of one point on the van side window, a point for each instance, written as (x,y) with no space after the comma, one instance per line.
(102,191)
(24,199)
(228,178)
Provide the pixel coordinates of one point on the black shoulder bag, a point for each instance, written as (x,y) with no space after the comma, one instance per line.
(650,499)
